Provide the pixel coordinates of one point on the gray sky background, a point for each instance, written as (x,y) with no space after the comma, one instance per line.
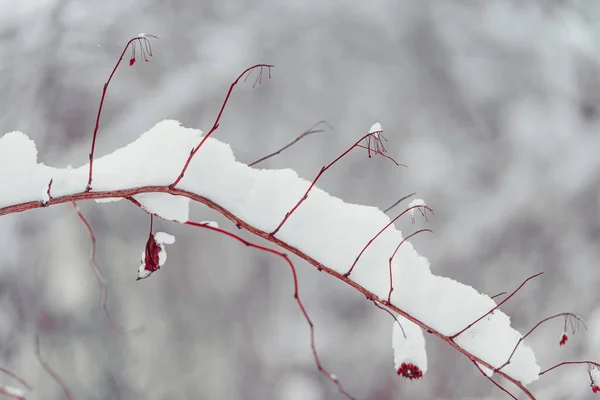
(494,107)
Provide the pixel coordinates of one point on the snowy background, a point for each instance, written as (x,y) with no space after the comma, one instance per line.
(494,108)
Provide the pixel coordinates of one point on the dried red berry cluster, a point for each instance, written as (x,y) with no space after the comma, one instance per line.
(410,371)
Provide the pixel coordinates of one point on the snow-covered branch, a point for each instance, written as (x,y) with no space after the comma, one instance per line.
(255,200)
(170,166)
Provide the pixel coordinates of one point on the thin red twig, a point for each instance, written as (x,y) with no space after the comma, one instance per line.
(15,377)
(50,371)
(104,89)
(393,316)
(566,315)
(394,255)
(379,233)
(306,133)
(381,154)
(97,272)
(321,172)
(320,367)
(569,363)
(216,123)
(497,306)
(494,382)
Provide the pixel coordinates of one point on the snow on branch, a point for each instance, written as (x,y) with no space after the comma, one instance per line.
(259,198)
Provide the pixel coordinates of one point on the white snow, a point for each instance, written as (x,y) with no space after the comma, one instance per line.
(165,205)
(325,227)
(142,271)
(376,127)
(488,372)
(164,238)
(212,224)
(416,203)
(11,390)
(408,343)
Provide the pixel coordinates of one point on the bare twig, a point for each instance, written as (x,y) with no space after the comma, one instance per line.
(566,315)
(497,306)
(394,255)
(97,272)
(393,316)
(569,363)
(380,232)
(50,371)
(141,38)
(497,295)
(494,382)
(216,123)
(398,202)
(321,172)
(381,154)
(306,133)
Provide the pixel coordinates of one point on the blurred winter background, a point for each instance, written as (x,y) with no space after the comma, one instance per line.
(494,107)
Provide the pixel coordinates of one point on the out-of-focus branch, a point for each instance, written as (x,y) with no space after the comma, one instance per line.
(333,378)
(15,377)
(50,371)
(97,272)
(306,133)
(399,201)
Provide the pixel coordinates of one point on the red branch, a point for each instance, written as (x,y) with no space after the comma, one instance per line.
(566,315)
(50,371)
(570,363)
(105,88)
(379,233)
(327,374)
(393,316)
(323,169)
(99,277)
(394,255)
(216,123)
(497,306)
(126,193)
